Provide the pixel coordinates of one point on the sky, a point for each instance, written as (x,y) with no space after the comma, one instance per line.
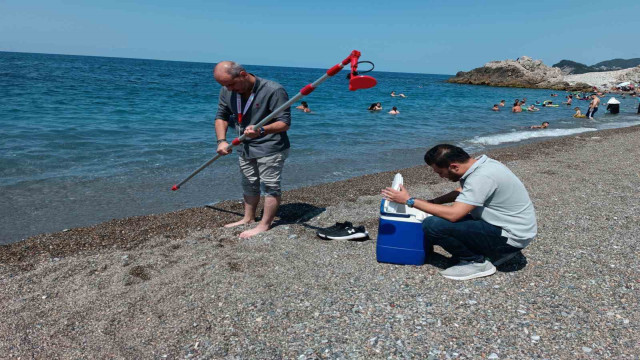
(435,37)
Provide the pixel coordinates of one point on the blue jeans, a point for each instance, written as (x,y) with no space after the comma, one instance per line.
(467,239)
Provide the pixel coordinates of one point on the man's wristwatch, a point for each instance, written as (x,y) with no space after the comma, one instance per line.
(220,141)
(262,132)
(410,202)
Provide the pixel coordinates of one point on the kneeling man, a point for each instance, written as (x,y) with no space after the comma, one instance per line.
(491,217)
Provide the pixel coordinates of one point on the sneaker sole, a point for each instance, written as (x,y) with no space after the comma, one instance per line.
(349,237)
(473,276)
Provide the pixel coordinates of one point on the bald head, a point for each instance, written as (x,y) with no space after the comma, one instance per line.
(228,68)
(233,76)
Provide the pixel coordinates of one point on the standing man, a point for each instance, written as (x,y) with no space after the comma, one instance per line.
(593,106)
(245,100)
(491,216)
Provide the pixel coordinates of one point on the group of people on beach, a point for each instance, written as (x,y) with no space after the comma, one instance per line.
(491,218)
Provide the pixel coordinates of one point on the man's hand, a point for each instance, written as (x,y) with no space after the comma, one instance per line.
(251,132)
(399,196)
(222,149)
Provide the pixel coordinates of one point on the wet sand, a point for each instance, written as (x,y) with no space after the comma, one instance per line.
(177,285)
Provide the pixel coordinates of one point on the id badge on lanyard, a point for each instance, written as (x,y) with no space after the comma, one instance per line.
(239,107)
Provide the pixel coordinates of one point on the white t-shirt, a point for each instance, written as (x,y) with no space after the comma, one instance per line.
(500,199)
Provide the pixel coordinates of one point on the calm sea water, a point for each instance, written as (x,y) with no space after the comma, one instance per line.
(87,139)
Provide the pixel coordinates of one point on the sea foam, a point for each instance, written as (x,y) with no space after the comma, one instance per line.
(525,135)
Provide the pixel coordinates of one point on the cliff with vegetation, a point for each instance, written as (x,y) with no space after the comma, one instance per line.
(569,67)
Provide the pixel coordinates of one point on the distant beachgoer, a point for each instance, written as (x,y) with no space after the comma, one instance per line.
(578,113)
(532,108)
(393,93)
(543,126)
(524,100)
(569,100)
(516,107)
(375,107)
(496,107)
(304,107)
(394,111)
(502,103)
(593,106)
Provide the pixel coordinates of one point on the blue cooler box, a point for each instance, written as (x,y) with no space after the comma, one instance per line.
(400,237)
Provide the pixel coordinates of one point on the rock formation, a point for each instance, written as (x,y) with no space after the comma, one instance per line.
(523,72)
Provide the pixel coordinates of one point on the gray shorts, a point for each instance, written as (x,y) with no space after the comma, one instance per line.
(265,171)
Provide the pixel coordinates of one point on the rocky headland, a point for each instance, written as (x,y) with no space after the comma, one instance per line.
(523,72)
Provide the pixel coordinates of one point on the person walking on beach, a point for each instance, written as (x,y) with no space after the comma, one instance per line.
(491,217)
(593,106)
(245,100)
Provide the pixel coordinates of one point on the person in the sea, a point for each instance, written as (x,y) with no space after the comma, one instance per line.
(393,94)
(245,99)
(375,107)
(593,106)
(394,111)
(502,103)
(495,107)
(532,108)
(569,100)
(491,219)
(516,107)
(578,113)
(304,107)
(543,126)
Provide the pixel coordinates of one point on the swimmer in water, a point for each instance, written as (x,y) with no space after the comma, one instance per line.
(543,126)
(304,107)
(394,111)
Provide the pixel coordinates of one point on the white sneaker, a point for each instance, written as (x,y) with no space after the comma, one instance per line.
(466,270)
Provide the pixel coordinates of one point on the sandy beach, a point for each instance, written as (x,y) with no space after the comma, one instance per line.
(178,285)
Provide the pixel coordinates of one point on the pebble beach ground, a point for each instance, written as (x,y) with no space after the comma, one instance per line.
(178,285)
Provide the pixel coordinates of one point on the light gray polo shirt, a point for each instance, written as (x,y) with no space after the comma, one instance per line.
(500,199)
(269,95)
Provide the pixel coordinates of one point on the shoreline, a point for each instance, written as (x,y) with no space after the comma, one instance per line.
(176,285)
(177,223)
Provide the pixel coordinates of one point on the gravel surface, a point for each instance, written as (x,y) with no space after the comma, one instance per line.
(178,286)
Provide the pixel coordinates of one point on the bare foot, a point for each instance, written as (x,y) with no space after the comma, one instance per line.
(256,230)
(237,223)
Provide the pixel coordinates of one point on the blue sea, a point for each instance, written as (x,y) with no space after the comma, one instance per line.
(88,139)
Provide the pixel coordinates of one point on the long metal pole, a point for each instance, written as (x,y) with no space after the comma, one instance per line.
(302,93)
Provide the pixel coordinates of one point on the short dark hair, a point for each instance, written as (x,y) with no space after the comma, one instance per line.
(444,154)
